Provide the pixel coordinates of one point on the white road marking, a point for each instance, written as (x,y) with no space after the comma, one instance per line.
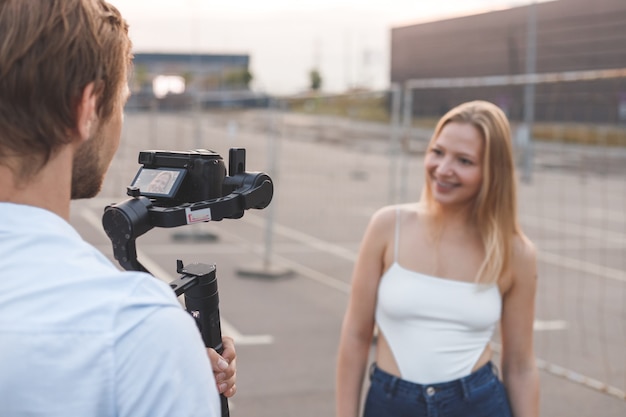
(572,376)
(549,325)
(616,238)
(610,215)
(305,239)
(590,269)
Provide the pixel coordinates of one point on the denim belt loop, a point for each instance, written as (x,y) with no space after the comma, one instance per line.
(495,370)
(391,387)
(465,389)
(371,370)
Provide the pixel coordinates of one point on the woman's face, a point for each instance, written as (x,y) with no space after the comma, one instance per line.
(160,183)
(454,164)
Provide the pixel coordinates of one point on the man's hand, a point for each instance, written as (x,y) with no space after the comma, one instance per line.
(225,367)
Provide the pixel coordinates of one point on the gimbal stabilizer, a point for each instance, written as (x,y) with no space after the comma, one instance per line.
(177,188)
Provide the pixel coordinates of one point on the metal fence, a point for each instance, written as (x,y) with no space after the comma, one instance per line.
(337,159)
(572,205)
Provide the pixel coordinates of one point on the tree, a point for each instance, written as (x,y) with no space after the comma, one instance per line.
(238,78)
(315,80)
(140,79)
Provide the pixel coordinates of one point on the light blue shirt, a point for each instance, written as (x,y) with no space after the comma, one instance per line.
(78,337)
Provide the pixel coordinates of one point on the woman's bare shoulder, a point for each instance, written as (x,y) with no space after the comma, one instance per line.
(524,258)
(388,215)
(383,215)
(524,249)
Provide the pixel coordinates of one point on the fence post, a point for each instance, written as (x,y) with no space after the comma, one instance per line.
(407,123)
(267,268)
(526,133)
(394,140)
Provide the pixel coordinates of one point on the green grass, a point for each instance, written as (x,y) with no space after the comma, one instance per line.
(366,108)
(373,108)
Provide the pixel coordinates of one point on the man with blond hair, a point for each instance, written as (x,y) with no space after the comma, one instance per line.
(78,337)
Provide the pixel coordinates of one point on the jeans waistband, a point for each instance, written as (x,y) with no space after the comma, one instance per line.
(462,386)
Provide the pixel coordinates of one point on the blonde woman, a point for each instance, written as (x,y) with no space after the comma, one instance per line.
(437,277)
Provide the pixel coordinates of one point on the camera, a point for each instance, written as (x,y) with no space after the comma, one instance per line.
(174,188)
(174,177)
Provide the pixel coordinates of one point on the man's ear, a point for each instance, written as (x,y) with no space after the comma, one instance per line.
(86,112)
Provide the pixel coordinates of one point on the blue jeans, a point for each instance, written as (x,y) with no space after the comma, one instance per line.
(480,394)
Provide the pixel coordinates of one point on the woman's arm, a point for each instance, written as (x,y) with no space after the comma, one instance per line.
(358,323)
(519,370)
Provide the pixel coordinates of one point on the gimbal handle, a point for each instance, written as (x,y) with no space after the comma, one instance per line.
(198,283)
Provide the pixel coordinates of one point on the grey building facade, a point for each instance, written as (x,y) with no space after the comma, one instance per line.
(571,35)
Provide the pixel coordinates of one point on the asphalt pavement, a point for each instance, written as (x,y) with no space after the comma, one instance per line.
(284,272)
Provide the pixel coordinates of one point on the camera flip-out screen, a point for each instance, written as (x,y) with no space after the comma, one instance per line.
(159,182)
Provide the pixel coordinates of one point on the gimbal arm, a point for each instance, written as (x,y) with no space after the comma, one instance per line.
(124,222)
(254,190)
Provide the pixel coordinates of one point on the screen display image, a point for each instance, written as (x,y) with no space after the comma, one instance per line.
(159,182)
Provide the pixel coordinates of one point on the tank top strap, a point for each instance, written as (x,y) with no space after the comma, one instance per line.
(397,235)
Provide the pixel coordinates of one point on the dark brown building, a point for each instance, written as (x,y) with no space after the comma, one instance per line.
(571,35)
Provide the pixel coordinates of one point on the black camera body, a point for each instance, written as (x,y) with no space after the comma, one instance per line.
(175,177)
(176,188)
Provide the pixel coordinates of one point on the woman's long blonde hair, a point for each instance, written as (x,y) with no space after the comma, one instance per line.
(495,207)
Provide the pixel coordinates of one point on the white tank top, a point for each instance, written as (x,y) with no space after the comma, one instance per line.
(436,328)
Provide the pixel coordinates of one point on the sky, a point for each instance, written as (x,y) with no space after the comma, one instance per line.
(346,40)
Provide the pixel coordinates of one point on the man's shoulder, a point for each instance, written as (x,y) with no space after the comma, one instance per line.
(82,292)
